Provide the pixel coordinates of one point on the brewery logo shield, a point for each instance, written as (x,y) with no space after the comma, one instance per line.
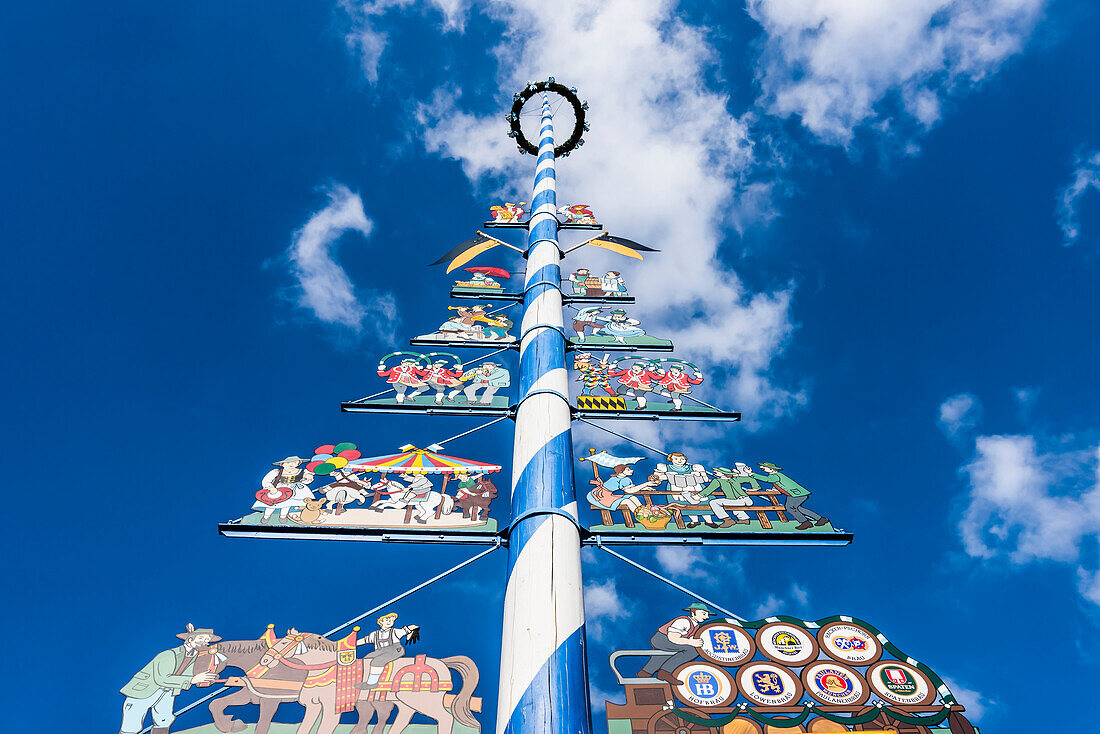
(835,684)
(769,684)
(703,684)
(900,683)
(725,644)
(787,644)
(849,643)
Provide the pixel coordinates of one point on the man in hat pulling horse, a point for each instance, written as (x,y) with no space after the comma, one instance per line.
(154,688)
(678,637)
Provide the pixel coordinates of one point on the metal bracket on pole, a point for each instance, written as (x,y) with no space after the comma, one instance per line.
(552,327)
(544,391)
(550,283)
(545,511)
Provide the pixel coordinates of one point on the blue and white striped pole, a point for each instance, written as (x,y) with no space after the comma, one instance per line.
(543,673)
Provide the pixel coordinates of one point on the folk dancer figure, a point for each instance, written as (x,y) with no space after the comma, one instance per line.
(604,496)
(284,489)
(636,381)
(687,480)
(796,496)
(725,490)
(154,688)
(586,319)
(677,382)
(618,326)
(613,284)
(403,376)
(387,647)
(593,376)
(678,637)
(440,379)
(344,489)
(490,376)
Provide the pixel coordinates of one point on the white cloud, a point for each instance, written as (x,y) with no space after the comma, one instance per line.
(960,414)
(325,288)
(667,163)
(1028,506)
(368,41)
(604,608)
(976,704)
(680,560)
(841,64)
(795,603)
(1086,175)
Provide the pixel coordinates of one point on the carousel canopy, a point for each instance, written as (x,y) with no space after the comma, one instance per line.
(412,460)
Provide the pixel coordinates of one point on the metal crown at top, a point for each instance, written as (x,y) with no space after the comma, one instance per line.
(550,85)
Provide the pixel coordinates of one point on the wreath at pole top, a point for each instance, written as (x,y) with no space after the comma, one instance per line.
(550,85)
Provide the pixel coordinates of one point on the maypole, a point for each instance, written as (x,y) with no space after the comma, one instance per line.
(700,671)
(543,672)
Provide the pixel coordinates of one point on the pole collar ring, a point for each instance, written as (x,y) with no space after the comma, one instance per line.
(554,327)
(544,511)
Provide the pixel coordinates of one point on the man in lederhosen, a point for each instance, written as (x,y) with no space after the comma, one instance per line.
(678,637)
(154,688)
(387,646)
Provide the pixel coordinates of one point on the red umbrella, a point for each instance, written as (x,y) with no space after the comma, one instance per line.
(488,270)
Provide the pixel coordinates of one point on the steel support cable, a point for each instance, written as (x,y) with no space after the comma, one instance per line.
(670,582)
(625,438)
(334,630)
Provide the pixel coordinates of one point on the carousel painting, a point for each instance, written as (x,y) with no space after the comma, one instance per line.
(414,489)
(359,677)
(702,673)
(437,383)
(633,495)
(613,329)
(639,388)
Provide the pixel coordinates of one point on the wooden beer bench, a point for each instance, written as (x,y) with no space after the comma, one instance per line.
(677,509)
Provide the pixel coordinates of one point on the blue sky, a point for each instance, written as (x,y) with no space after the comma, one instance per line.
(881,226)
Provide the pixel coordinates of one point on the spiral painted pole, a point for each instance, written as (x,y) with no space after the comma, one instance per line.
(543,672)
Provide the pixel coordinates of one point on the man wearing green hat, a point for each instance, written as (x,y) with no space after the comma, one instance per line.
(796,496)
(678,637)
(154,688)
(726,490)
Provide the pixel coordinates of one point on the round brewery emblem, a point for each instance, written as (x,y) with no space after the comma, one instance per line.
(833,683)
(787,644)
(725,644)
(769,684)
(849,643)
(703,684)
(899,682)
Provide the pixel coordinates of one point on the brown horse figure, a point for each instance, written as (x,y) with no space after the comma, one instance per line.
(278,685)
(320,700)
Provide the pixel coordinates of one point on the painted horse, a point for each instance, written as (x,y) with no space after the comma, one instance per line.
(271,687)
(331,687)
